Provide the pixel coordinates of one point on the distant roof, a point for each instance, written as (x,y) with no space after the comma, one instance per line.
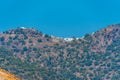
(23,27)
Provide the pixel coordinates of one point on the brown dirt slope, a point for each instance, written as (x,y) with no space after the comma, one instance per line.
(4,75)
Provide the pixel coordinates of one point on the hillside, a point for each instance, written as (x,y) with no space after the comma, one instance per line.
(32,55)
(4,75)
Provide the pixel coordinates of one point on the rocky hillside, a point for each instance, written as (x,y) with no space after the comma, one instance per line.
(4,75)
(32,55)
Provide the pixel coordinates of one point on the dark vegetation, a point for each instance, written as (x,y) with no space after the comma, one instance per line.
(32,55)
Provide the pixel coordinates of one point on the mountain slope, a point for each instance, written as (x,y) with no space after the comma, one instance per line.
(4,75)
(38,56)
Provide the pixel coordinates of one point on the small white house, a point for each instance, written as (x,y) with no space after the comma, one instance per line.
(22,27)
(68,39)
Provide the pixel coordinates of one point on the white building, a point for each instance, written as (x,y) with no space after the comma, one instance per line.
(22,27)
(68,39)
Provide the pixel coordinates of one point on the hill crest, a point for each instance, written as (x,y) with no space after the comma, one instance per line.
(34,55)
